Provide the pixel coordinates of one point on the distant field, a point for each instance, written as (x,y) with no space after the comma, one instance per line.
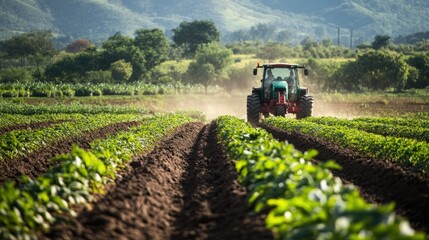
(218,102)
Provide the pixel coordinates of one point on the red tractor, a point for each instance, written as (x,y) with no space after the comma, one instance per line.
(280,93)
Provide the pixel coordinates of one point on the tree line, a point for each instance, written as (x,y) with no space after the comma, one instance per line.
(373,71)
(379,65)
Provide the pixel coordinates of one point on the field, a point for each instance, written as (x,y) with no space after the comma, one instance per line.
(188,167)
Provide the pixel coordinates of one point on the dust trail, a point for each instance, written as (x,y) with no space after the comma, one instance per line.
(211,105)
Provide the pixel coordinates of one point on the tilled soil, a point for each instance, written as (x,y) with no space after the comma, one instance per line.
(29,126)
(184,189)
(378,181)
(36,163)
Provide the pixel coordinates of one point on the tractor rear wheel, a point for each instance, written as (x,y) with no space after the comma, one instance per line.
(253,108)
(305,107)
(280,110)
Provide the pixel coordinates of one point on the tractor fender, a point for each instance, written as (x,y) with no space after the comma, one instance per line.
(303,91)
(257,91)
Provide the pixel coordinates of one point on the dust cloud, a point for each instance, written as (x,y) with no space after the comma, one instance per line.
(212,106)
(215,105)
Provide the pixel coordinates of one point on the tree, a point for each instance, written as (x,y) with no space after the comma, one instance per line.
(121,70)
(284,36)
(374,71)
(29,44)
(241,79)
(72,68)
(192,34)
(421,63)
(120,47)
(271,51)
(153,44)
(380,41)
(203,74)
(78,46)
(211,62)
(264,32)
(36,45)
(308,43)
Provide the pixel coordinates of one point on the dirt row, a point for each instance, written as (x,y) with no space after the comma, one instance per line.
(378,181)
(29,126)
(36,163)
(184,189)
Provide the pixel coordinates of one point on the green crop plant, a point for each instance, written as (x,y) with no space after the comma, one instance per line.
(303,200)
(15,119)
(26,109)
(409,131)
(406,152)
(19,142)
(35,204)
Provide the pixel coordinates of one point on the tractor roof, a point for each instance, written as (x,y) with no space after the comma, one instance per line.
(281,65)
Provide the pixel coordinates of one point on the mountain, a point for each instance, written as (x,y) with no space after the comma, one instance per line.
(99,19)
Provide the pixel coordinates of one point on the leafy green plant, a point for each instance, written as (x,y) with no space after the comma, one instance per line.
(406,152)
(409,131)
(32,206)
(15,119)
(19,142)
(303,200)
(27,109)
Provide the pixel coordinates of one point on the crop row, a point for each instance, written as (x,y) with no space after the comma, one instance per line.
(406,152)
(35,204)
(420,120)
(414,132)
(20,142)
(16,119)
(8,90)
(303,200)
(27,109)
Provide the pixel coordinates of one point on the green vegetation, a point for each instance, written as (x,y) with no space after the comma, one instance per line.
(137,60)
(61,108)
(372,71)
(20,142)
(211,62)
(417,121)
(237,20)
(35,204)
(15,119)
(418,131)
(303,200)
(190,35)
(96,89)
(406,152)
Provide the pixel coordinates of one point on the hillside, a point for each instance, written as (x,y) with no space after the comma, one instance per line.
(23,15)
(98,19)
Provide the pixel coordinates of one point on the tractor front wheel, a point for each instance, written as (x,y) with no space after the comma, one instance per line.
(305,107)
(280,110)
(253,108)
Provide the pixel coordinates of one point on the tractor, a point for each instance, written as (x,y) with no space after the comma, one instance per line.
(280,93)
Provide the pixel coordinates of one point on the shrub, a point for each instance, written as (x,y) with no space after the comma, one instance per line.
(121,70)
(15,74)
(98,77)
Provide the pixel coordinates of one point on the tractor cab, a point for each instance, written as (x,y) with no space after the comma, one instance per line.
(280,92)
(280,76)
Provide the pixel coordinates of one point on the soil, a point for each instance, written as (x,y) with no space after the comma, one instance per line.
(378,181)
(36,163)
(29,126)
(184,189)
